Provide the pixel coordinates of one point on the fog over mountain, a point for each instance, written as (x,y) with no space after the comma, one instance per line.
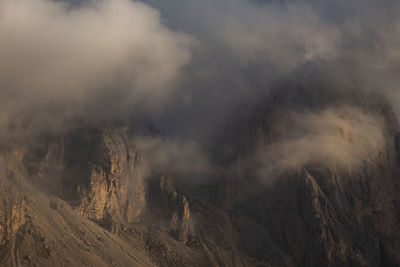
(199,133)
(186,58)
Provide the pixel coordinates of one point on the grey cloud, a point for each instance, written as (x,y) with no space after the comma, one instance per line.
(183,158)
(185,66)
(52,52)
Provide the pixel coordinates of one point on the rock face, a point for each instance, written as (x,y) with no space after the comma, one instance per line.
(96,170)
(11,197)
(104,175)
(53,234)
(319,214)
(87,197)
(11,213)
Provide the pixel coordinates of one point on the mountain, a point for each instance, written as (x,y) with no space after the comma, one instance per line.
(303,178)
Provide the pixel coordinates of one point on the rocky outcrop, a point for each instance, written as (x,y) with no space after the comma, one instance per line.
(53,234)
(104,175)
(91,198)
(317,213)
(97,170)
(12,215)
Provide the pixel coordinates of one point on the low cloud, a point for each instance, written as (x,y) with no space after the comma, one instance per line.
(283,36)
(53,53)
(185,66)
(185,159)
(345,138)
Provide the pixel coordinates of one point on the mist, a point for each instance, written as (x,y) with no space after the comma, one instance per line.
(344,139)
(185,67)
(180,158)
(70,61)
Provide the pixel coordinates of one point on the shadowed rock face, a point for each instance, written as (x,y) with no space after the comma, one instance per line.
(91,197)
(319,213)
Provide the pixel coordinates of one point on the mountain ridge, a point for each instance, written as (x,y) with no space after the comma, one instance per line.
(313,212)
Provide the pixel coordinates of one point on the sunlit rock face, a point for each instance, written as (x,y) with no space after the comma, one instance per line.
(97,170)
(104,175)
(12,215)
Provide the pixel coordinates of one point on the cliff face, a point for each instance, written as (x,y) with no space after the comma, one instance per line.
(12,215)
(104,174)
(89,196)
(96,170)
(319,213)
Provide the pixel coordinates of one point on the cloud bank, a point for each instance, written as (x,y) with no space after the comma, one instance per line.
(345,138)
(186,66)
(52,52)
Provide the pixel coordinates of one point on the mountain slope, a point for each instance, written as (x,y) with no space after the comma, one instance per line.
(282,194)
